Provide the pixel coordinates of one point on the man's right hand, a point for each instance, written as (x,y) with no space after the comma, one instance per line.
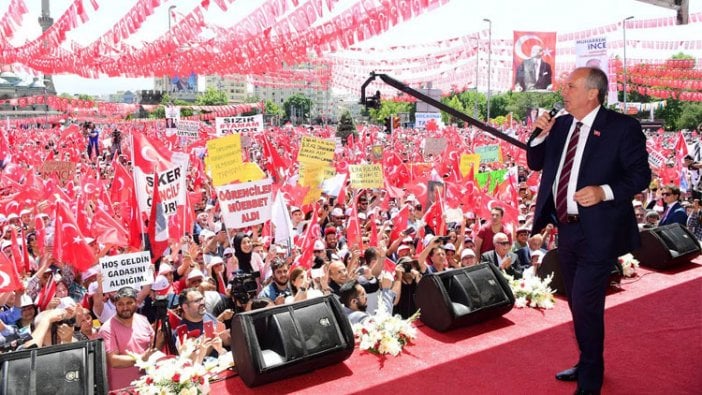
(545,122)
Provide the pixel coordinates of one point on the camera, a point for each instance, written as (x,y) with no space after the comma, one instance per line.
(12,341)
(443,239)
(243,286)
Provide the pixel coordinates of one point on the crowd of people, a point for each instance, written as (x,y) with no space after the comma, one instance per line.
(212,273)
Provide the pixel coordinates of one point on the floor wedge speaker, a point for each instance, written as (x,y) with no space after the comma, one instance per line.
(667,246)
(67,369)
(282,341)
(461,297)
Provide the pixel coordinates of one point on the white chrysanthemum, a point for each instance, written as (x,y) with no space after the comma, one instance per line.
(520,302)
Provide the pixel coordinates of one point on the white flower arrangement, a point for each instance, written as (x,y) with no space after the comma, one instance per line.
(384,333)
(185,374)
(531,291)
(629,265)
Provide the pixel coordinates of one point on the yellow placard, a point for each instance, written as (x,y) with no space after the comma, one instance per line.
(316,150)
(247,172)
(224,159)
(312,174)
(366,176)
(468,160)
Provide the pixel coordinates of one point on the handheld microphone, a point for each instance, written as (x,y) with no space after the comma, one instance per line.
(556,108)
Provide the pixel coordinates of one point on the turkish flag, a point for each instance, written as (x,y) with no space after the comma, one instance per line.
(680,147)
(107,230)
(158,225)
(311,235)
(353,232)
(399,223)
(149,156)
(46,293)
(9,279)
(69,244)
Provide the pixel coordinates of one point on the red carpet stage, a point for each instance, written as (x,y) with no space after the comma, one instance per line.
(653,346)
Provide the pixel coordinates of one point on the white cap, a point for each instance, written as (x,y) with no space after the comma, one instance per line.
(26,300)
(362,215)
(25,211)
(293,209)
(66,301)
(12,216)
(4,244)
(215,260)
(164,268)
(467,252)
(228,250)
(319,245)
(407,239)
(449,246)
(92,271)
(337,212)
(160,284)
(206,234)
(403,247)
(195,273)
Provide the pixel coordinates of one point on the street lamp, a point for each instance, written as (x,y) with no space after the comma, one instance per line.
(625,75)
(487,120)
(170,12)
(477,64)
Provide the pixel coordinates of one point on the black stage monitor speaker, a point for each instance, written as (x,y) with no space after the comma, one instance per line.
(549,265)
(278,342)
(461,297)
(67,369)
(667,246)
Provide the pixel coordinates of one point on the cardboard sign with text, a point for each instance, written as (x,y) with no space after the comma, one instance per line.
(64,170)
(233,125)
(489,153)
(468,160)
(126,270)
(316,150)
(246,203)
(366,176)
(188,129)
(434,146)
(223,158)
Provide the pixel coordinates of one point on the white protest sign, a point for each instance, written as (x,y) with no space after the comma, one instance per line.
(171,189)
(421,119)
(246,203)
(656,159)
(188,129)
(230,125)
(126,270)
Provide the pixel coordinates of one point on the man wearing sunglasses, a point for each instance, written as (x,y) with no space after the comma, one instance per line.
(674,212)
(502,256)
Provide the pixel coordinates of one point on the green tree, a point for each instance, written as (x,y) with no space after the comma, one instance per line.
(273,109)
(389,108)
(670,113)
(346,127)
(690,116)
(455,103)
(297,105)
(252,99)
(474,103)
(212,97)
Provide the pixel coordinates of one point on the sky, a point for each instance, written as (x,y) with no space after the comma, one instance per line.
(457,18)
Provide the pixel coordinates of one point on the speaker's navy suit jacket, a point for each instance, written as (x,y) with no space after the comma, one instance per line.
(615,154)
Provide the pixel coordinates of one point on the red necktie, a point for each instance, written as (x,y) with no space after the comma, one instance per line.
(562,191)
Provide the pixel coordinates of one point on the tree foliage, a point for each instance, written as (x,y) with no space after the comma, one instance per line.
(301,105)
(212,97)
(273,109)
(346,127)
(389,108)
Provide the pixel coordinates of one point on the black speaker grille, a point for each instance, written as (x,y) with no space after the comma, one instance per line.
(480,289)
(319,328)
(58,373)
(677,241)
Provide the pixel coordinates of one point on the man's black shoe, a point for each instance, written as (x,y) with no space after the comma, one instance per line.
(586,392)
(570,374)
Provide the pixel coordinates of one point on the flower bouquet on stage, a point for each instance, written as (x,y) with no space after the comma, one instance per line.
(384,333)
(187,373)
(531,291)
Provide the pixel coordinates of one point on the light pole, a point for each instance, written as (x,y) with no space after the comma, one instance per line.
(170,12)
(626,77)
(487,120)
(477,64)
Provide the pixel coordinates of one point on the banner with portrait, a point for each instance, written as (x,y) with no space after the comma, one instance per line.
(534,60)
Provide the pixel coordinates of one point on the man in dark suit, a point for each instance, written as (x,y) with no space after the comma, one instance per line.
(533,251)
(586,190)
(502,257)
(674,213)
(534,73)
